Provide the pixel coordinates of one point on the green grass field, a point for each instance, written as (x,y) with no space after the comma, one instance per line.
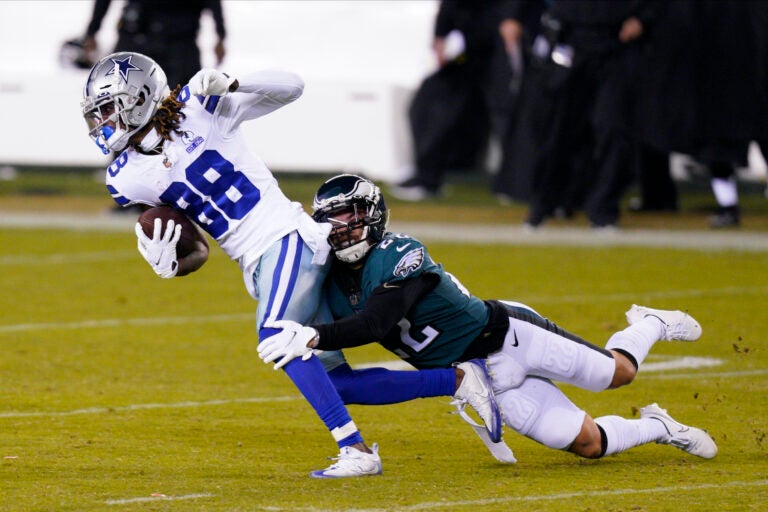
(120,391)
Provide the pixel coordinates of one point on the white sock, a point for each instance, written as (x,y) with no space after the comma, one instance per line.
(726,191)
(638,338)
(622,434)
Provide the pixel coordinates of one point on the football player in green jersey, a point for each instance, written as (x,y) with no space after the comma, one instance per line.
(384,287)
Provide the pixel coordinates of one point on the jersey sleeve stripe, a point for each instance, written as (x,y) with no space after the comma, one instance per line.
(117,196)
(210,105)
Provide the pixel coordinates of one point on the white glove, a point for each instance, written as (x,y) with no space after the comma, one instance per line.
(289,344)
(160,250)
(210,82)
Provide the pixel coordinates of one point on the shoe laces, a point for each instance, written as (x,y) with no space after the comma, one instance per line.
(341,461)
(683,444)
(461,405)
(671,438)
(472,385)
(673,331)
(346,455)
(677,330)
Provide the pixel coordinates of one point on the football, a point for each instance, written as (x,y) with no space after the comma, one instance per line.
(190,235)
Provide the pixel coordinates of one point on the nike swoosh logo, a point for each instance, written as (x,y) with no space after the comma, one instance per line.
(402,247)
(389,285)
(516,343)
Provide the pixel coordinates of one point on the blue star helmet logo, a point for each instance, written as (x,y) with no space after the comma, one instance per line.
(124,66)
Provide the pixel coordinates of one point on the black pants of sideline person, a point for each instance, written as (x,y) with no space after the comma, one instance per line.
(591,107)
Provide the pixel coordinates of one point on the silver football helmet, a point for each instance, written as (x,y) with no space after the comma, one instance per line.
(360,203)
(121,95)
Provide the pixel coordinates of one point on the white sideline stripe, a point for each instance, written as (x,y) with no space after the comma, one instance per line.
(451,232)
(54,259)
(159,498)
(702,240)
(178,405)
(681,362)
(672,363)
(707,375)
(72,221)
(143,407)
(642,296)
(623,297)
(545,497)
(119,322)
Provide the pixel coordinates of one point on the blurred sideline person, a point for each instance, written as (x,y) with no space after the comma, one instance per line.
(666,106)
(184,148)
(455,108)
(730,113)
(520,30)
(164,31)
(686,106)
(588,80)
(384,287)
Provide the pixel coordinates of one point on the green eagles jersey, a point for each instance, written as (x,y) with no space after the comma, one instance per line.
(438,328)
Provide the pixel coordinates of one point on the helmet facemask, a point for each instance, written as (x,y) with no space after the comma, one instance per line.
(107,123)
(356,211)
(350,229)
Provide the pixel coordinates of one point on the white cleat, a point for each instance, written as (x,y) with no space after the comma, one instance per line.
(475,390)
(352,462)
(678,325)
(689,439)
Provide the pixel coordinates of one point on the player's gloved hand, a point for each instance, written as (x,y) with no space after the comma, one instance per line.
(210,82)
(289,344)
(160,250)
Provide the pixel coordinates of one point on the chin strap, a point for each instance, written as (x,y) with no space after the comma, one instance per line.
(355,252)
(101,140)
(151,140)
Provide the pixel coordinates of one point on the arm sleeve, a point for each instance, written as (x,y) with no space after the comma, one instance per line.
(649,11)
(386,306)
(99,11)
(519,10)
(445,20)
(257,95)
(218,18)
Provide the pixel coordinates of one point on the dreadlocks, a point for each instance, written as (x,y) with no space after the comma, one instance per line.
(169,115)
(166,120)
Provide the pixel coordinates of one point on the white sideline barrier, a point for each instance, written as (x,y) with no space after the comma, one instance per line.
(333,127)
(339,127)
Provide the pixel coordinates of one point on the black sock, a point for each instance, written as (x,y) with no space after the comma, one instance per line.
(629,356)
(603,441)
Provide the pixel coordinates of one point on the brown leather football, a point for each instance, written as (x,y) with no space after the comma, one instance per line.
(190,235)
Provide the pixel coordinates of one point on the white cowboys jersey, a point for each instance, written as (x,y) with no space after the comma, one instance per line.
(211,175)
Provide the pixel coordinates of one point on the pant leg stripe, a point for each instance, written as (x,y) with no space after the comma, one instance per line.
(281,278)
(295,266)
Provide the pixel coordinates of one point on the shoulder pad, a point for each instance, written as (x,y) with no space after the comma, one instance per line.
(399,257)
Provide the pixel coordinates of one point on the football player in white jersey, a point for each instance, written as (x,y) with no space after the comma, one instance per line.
(384,287)
(183,148)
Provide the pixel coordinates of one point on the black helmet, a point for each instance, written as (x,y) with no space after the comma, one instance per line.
(355,194)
